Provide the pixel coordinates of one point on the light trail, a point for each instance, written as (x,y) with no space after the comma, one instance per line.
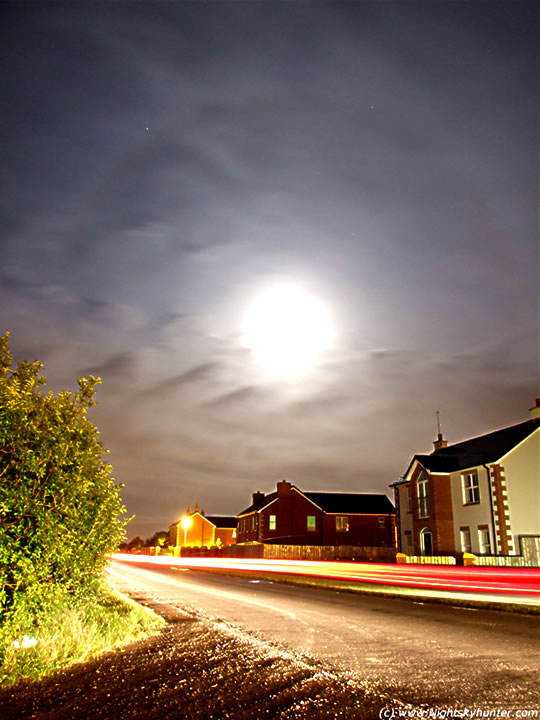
(511,582)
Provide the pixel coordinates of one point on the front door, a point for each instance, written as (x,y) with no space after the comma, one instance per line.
(426,542)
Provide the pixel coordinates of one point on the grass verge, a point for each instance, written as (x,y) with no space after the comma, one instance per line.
(72,630)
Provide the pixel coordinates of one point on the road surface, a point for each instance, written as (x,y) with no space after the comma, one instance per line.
(423,654)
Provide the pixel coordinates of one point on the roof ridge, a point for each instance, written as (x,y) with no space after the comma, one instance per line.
(481,435)
(344,492)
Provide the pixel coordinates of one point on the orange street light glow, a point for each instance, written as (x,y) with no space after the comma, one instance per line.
(511,582)
(186,522)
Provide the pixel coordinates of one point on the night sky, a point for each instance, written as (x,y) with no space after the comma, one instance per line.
(164,164)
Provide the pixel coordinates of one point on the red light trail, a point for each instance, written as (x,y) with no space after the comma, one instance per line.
(511,582)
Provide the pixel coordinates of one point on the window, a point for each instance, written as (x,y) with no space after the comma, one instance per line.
(409,498)
(471,490)
(484,541)
(408,542)
(382,522)
(271,522)
(465,538)
(342,523)
(311,522)
(423,497)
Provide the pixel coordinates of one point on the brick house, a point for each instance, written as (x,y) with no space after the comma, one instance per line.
(203,530)
(481,495)
(291,516)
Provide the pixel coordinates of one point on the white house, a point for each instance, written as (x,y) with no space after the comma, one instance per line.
(481,495)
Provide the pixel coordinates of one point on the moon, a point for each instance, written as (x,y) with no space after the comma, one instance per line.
(287,329)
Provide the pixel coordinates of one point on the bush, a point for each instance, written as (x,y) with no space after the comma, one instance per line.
(59,506)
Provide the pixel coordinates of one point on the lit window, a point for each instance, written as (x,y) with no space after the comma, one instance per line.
(484,541)
(311,522)
(465,537)
(471,490)
(342,523)
(271,522)
(423,496)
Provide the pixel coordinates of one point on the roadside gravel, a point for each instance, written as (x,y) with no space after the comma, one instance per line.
(195,667)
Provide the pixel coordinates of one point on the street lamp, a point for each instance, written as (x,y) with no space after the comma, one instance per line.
(186,522)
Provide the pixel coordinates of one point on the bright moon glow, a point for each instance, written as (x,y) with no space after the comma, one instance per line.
(287,329)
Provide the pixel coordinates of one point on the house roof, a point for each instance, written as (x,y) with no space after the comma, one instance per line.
(351,502)
(335,502)
(263,502)
(222,521)
(477,451)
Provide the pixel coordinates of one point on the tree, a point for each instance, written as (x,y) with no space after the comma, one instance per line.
(158,539)
(59,506)
(136,543)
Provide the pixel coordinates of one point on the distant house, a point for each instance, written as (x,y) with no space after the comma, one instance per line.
(196,529)
(291,516)
(481,495)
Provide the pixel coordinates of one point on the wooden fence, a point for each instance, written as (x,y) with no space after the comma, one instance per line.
(313,552)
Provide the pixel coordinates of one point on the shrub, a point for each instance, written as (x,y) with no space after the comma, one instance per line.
(59,506)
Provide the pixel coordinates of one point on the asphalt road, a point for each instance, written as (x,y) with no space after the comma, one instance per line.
(424,654)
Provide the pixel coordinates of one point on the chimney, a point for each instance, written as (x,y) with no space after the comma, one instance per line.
(440,442)
(256,497)
(535,411)
(284,488)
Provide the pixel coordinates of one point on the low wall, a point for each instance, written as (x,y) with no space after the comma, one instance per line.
(427,559)
(502,561)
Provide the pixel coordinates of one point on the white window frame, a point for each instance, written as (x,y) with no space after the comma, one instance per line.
(422,491)
(272,522)
(465,540)
(409,498)
(470,487)
(408,543)
(484,541)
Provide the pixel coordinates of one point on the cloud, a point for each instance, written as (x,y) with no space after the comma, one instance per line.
(192,377)
(119,368)
(241,398)
(181,158)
